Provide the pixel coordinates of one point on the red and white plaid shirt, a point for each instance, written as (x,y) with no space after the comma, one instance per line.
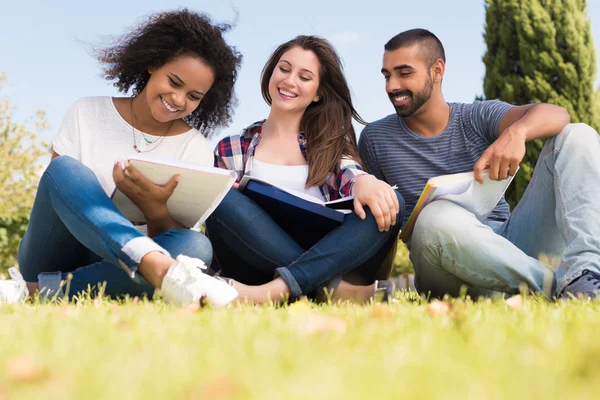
(236,153)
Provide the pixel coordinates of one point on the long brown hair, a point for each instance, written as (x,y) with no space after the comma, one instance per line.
(327,124)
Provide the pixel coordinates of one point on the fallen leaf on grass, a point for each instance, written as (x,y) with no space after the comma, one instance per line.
(67,311)
(24,369)
(320,324)
(190,309)
(458,309)
(515,302)
(221,388)
(438,308)
(64,311)
(381,310)
(122,323)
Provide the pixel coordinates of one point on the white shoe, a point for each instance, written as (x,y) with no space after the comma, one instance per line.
(185,283)
(13,290)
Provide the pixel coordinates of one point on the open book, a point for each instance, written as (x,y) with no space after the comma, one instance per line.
(462,189)
(198,193)
(344,205)
(304,218)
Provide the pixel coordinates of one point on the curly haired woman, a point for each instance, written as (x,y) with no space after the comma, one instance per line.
(181,73)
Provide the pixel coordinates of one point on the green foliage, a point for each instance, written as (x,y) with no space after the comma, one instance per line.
(597,110)
(20,153)
(402,263)
(540,51)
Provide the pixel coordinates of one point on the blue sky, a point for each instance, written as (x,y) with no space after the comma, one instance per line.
(44,45)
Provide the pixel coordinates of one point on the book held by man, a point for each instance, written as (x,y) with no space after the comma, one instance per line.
(462,189)
(305,218)
(199,191)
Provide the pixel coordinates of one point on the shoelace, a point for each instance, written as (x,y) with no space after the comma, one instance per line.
(17,277)
(195,266)
(591,277)
(15,274)
(17,282)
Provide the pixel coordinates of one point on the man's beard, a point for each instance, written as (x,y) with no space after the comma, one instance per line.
(415,101)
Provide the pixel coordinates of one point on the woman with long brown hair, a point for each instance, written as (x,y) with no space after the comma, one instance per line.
(307,143)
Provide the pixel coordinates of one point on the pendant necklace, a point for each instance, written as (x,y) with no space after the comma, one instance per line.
(148,141)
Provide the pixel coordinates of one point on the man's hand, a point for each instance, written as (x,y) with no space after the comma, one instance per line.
(379,197)
(151,199)
(503,156)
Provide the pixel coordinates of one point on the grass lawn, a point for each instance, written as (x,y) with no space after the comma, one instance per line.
(144,350)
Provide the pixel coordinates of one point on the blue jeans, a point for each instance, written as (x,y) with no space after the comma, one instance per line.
(75,228)
(551,237)
(251,247)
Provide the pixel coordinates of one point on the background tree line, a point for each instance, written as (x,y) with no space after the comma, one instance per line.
(21,152)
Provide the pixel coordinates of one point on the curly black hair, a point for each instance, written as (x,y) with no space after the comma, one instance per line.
(163,37)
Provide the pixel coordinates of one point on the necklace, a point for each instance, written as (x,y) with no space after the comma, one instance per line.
(148,141)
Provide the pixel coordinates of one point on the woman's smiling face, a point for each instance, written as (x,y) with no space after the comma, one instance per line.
(294,83)
(175,89)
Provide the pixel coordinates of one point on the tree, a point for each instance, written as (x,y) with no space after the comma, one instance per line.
(20,153)
(597,109)
(402,263)
(540,51)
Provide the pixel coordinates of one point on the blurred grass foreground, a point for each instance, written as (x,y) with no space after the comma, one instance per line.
(493,349)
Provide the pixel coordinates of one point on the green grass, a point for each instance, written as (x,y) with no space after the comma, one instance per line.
(486,350)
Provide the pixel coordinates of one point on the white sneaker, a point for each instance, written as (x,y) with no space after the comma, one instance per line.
(13,290)
(185,284)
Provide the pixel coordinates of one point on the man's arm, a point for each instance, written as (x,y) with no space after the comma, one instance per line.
(367,156)
(534,121)
(519,125)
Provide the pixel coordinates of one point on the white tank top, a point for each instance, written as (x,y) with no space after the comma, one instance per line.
(291,177)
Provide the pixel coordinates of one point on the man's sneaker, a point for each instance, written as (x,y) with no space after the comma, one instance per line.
(185,283)
(587,285)
(13,290)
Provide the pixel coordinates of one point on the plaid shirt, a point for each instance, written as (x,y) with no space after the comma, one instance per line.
(236,153)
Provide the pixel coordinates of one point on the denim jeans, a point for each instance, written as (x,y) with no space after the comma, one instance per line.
(75,228)
(251,247)
(558,219)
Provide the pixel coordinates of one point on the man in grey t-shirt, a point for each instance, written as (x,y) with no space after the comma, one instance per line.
(557,218)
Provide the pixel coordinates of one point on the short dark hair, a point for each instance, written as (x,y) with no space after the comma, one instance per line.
(432,46)
(163,37)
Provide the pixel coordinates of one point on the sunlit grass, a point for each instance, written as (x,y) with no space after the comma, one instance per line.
(140,349)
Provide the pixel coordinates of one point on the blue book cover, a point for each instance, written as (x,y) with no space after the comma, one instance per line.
(305,221)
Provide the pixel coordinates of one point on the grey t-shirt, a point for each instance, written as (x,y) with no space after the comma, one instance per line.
(399,156)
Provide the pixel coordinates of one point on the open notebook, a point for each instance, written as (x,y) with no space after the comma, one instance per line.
(462,189)
(344,205)
(199,192)
(304,218)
